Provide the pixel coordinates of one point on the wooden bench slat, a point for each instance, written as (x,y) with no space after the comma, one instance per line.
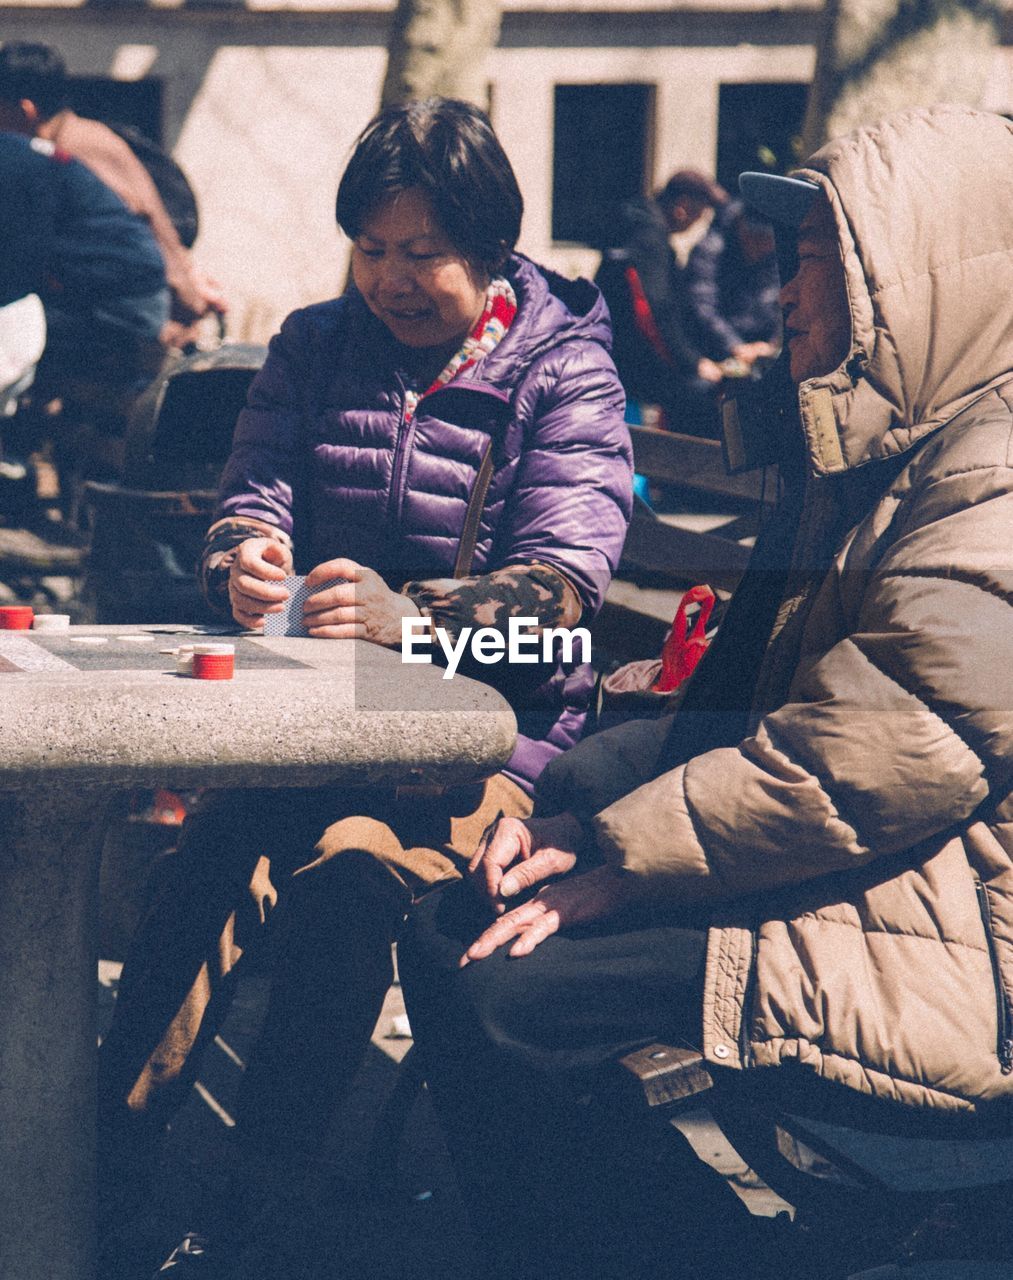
(663,1073)
(695,463)
(676,554)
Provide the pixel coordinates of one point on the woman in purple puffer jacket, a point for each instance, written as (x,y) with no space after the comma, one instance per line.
(456,377)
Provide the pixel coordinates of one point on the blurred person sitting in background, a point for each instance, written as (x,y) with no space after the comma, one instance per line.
(660,350)
(33,101)
(732,287)
(96,267)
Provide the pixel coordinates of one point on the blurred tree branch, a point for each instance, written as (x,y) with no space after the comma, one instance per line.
(878,56)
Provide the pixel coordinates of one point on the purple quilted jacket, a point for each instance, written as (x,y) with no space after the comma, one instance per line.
(322,452)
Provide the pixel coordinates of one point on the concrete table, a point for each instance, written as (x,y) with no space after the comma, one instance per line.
(81,720)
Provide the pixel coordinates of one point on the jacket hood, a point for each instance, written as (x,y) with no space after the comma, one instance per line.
(923,206)
(550,310)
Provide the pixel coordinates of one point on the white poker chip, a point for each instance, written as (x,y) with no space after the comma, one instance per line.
(220,649)
(89,640)
(51,622)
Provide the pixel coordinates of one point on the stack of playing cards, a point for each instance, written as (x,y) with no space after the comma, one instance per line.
(289,622)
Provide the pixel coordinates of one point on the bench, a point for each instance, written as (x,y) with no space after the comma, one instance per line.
(705,537)
(919,1191)
(696,478)
(912,1206)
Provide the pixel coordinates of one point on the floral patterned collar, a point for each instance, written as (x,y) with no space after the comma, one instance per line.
(490,328)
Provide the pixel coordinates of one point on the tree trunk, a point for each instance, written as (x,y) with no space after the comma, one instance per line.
(879,56)
(438,48)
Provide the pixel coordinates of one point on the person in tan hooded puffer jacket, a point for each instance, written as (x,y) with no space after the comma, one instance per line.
(811,866)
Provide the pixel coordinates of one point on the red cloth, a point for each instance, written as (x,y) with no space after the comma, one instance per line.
(681,652)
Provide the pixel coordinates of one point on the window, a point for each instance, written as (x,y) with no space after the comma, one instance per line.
(601,156)
(132,102)
(758,128)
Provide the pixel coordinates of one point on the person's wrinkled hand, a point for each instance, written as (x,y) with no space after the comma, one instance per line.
(708,371)
(581,899)
(255,578)
(362,608)
(515,854)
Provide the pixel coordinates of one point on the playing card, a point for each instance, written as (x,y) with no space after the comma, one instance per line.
(289,622)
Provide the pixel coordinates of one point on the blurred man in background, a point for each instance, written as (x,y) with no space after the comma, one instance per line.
(664,355)
(33,101)
(732,286)
(69,240)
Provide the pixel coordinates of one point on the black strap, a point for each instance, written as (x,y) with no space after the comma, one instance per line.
(473,516)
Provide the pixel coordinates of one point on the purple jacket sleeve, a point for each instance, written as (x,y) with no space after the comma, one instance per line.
(263,468)
(572,498)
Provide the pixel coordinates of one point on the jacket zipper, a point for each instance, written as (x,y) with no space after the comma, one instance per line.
(399,466)
(748,997)
(1004,1015)
(405,435)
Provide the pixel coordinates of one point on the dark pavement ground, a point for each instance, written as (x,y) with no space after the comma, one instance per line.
(414,1231)
(416,1228)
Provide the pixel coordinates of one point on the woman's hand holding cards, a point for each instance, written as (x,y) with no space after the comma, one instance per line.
(254,578)
(361,608)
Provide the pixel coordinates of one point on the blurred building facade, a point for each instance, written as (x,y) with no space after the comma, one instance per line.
(595,100)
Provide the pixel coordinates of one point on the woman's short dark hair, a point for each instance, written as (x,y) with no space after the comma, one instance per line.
(449,150)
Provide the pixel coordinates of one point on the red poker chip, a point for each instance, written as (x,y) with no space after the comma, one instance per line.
(16,617)
(213,666)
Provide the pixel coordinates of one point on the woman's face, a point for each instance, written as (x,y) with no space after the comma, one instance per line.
(412,277)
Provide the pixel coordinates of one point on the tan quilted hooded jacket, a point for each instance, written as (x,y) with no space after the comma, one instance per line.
(859,845)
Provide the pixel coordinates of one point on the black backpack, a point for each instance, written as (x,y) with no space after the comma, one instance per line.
(172,183)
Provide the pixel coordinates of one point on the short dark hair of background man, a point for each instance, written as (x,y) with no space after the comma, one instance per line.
(687,195)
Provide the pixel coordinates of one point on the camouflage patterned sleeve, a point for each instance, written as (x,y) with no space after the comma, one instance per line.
(488,600)
(221,545)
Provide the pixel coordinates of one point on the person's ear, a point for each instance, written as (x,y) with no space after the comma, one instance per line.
(30,112)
